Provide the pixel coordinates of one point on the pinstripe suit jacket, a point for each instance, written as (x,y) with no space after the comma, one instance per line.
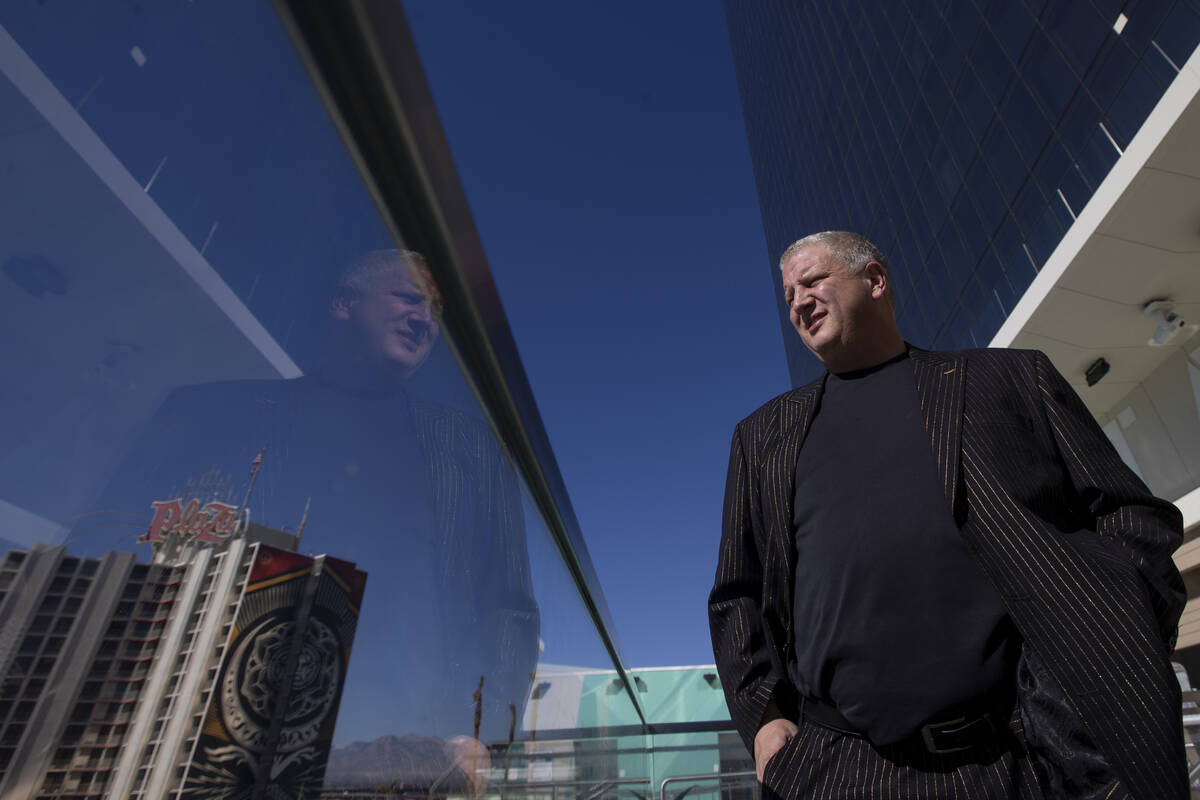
(1073,541)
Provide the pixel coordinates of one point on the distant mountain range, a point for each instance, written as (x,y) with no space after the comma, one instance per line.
(414,761)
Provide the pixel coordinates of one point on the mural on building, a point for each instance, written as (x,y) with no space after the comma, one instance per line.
(270,721)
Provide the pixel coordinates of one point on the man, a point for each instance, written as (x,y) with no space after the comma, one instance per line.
(417,493)
(936,577)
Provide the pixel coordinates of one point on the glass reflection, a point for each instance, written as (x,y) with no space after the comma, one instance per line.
(256,534)
(416,493)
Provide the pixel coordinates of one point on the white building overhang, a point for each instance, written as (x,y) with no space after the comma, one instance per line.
(1137,239)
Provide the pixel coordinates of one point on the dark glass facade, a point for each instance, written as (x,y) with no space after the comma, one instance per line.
(963,137)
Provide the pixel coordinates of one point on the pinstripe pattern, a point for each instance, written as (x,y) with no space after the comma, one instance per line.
(1072,540)
(482,560)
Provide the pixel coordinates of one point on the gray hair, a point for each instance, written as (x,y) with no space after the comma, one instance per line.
(363,273)
(851,249)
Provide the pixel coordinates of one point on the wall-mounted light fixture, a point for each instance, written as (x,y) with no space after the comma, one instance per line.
(1098,369)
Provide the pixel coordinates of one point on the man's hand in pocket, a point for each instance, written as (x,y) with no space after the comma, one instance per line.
(770,738)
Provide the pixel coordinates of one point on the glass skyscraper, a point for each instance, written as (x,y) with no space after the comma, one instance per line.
(963,137)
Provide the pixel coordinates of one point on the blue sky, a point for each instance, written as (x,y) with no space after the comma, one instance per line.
(604,156)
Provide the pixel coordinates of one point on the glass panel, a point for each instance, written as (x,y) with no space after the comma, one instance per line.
(959,263)
(219,359)
(1009,248)
(1078,123)
(1134,102)
(1097,155)
(1147,19)
(985,194)
(963,20)
(1053,165)
(1029,128)
(1012,26)
(975,237)
(1107,77)
(992,67)
(915,53)
(1003,160)
(976,108)
(933,83)
(946,171)
(1079,30)
(958,139)
(1052,81)
(1178,34)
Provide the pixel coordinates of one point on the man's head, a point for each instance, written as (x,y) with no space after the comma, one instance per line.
(386,309)
(839,295)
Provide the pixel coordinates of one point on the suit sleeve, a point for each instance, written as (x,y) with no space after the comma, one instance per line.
(1124,512)
(748,674)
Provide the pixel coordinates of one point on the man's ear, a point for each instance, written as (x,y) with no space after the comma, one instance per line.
(342,302)
(878,279)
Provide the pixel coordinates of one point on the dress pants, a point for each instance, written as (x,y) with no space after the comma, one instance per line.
(825,764)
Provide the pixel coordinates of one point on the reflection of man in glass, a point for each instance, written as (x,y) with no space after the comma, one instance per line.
(385,313)
(418,494)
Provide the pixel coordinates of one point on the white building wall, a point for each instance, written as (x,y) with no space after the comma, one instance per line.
(163,779)
(150,703)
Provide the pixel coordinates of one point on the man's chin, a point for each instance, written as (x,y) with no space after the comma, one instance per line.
(406,365)
(816,346)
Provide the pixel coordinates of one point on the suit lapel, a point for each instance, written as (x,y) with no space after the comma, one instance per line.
(795,417)
(940,379)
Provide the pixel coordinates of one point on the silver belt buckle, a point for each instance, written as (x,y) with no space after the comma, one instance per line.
(927,736)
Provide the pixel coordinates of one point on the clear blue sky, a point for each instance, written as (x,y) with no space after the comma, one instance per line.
(604,156)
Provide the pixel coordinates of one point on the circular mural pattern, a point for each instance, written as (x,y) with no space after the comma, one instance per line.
(257,670)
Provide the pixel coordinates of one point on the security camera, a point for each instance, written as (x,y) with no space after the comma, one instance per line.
(1170,324)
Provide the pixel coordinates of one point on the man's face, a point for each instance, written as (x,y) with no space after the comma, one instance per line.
(831,309)
(391,322)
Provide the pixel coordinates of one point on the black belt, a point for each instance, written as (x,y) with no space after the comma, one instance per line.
(976,725)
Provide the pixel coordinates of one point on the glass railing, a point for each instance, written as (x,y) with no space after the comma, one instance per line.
(257,376)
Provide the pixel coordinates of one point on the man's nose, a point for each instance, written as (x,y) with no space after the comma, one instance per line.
(421,320)
(801,300)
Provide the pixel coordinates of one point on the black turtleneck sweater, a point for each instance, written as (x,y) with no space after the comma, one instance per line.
(894,621)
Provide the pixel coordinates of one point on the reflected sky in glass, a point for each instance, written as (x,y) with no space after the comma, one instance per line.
(179,315)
